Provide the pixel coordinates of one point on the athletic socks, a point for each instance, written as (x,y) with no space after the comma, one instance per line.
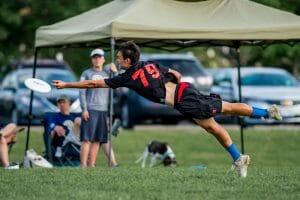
(233,151)
(258,113)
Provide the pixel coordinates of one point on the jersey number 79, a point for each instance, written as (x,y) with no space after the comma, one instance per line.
(140,73)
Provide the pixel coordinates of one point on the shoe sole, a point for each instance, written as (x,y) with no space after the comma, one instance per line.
(12,167)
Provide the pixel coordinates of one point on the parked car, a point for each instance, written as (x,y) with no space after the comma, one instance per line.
(15,97)
(261,87)
(41,63)
(133,108)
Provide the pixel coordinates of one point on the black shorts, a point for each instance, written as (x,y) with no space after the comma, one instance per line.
(192,104)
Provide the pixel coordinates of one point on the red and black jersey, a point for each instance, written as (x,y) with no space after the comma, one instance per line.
(146,78)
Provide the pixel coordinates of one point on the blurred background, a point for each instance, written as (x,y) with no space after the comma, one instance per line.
(206,67)
(19,20)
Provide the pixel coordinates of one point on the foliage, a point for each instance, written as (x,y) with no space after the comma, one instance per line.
(19,20)
(280,55)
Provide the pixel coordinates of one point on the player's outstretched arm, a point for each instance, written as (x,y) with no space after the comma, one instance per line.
(82,84)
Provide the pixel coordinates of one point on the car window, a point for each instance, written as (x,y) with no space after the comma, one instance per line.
(268,79)
(9,81)
(48,77)
(182,65)
(220,77)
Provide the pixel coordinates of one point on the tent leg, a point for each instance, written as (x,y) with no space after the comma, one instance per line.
(111,96)
(30,104)
(240,120)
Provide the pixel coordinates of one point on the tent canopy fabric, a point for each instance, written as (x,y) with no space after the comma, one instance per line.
(169,22)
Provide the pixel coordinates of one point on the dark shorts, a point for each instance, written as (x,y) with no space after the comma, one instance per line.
(95,129)
(192,104)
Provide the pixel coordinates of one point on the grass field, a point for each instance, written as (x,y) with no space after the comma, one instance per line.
(274,172)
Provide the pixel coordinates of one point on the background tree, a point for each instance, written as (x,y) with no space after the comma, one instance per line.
(19,20)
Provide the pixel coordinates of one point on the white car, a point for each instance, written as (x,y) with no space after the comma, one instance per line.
(261,87)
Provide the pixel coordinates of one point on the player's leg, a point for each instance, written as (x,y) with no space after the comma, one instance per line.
(4,141)
(4,152)
(243,109)
(84,153)
(9,129)
(239,160)
(105,147)
(7,136)
(212,127)
(93,153)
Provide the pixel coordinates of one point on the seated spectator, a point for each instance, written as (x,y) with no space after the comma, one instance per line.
(7,136)
(64,124)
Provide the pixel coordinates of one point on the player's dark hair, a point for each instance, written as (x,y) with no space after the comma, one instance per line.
(130,50)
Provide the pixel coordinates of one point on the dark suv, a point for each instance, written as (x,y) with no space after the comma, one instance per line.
(132,108)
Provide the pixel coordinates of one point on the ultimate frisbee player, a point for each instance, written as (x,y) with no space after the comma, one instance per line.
(162,85)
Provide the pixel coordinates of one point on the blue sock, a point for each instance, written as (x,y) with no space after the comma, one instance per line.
(233,151)
(258,113)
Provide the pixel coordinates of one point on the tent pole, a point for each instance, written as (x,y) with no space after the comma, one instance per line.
(240,119)
(111,96)
(30,117)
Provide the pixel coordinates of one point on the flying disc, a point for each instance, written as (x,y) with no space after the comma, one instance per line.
(37,85)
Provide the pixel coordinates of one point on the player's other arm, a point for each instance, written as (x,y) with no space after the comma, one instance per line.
(176,74)
(82,84)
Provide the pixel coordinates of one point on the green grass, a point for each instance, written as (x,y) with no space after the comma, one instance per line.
(274,172)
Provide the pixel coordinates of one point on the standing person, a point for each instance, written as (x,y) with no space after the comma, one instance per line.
(94,105)
(162,85)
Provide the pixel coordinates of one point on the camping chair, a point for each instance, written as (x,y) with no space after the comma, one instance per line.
(70,150)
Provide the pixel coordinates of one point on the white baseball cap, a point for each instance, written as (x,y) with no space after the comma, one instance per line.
(98,52)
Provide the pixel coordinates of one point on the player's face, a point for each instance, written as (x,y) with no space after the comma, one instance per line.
(124,63)
(64,106)
(98,61)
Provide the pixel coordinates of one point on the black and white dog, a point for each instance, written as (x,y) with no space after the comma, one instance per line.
(158,151)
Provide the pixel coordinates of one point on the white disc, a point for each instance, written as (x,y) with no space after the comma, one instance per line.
(37,85)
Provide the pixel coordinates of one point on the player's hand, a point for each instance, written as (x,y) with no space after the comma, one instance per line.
(85,115)
(59,84)
(113,68)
